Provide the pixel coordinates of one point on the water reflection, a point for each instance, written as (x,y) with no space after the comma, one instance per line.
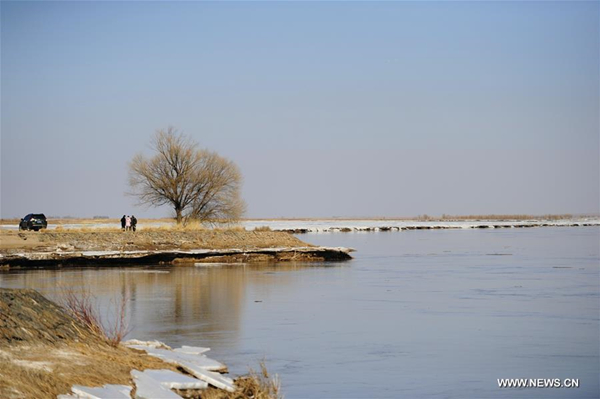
(176,304)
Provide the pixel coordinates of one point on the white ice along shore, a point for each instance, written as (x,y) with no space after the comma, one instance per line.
(364,225)
(158,384)
(368,225)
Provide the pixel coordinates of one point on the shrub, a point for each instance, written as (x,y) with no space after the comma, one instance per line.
(84,308)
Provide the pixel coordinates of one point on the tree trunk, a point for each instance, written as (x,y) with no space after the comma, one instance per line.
(179,217)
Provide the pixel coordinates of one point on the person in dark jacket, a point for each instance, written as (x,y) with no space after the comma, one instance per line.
(133,222)
(123,223)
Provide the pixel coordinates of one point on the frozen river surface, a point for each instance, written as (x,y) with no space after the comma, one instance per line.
(435,313)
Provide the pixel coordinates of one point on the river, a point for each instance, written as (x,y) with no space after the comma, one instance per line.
(432,313)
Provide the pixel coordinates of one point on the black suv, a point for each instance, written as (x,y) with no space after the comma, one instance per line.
(33,221)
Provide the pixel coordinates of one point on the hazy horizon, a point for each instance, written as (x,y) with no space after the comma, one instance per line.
(330,109)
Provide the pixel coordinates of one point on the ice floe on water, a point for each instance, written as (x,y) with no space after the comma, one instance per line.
(192,350)
(339,225)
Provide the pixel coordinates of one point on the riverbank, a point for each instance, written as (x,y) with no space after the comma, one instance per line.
(56,248)
(45,351)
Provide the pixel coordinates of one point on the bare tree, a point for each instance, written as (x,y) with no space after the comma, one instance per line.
(197,183)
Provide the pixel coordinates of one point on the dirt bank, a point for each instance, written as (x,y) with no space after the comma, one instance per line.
(51,248)
(99,240)
(99,247)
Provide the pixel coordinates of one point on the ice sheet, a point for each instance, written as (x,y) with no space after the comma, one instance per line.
(173,380)
(105,392)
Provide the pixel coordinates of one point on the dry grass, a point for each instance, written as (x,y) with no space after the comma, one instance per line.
(256,385)
(45,371)
(189,225)
(228,228)
(84,229)
(146,239)
(262,228)
(192,225)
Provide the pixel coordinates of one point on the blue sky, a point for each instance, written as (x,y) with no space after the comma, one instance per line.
(329,108)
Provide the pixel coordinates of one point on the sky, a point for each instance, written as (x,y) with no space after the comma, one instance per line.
(330,109)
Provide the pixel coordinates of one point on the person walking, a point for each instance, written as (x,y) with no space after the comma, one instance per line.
(133,222)
(123,223)
(127,223)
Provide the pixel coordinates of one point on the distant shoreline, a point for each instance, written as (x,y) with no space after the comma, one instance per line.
(420,218)
(301,226)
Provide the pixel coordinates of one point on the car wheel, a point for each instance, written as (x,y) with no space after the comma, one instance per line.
(36,228)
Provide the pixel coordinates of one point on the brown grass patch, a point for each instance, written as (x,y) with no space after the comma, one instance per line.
(255,385)
(43,371)
(147,239)
(19,240)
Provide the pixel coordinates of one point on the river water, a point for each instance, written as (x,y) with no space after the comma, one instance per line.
(434,313)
